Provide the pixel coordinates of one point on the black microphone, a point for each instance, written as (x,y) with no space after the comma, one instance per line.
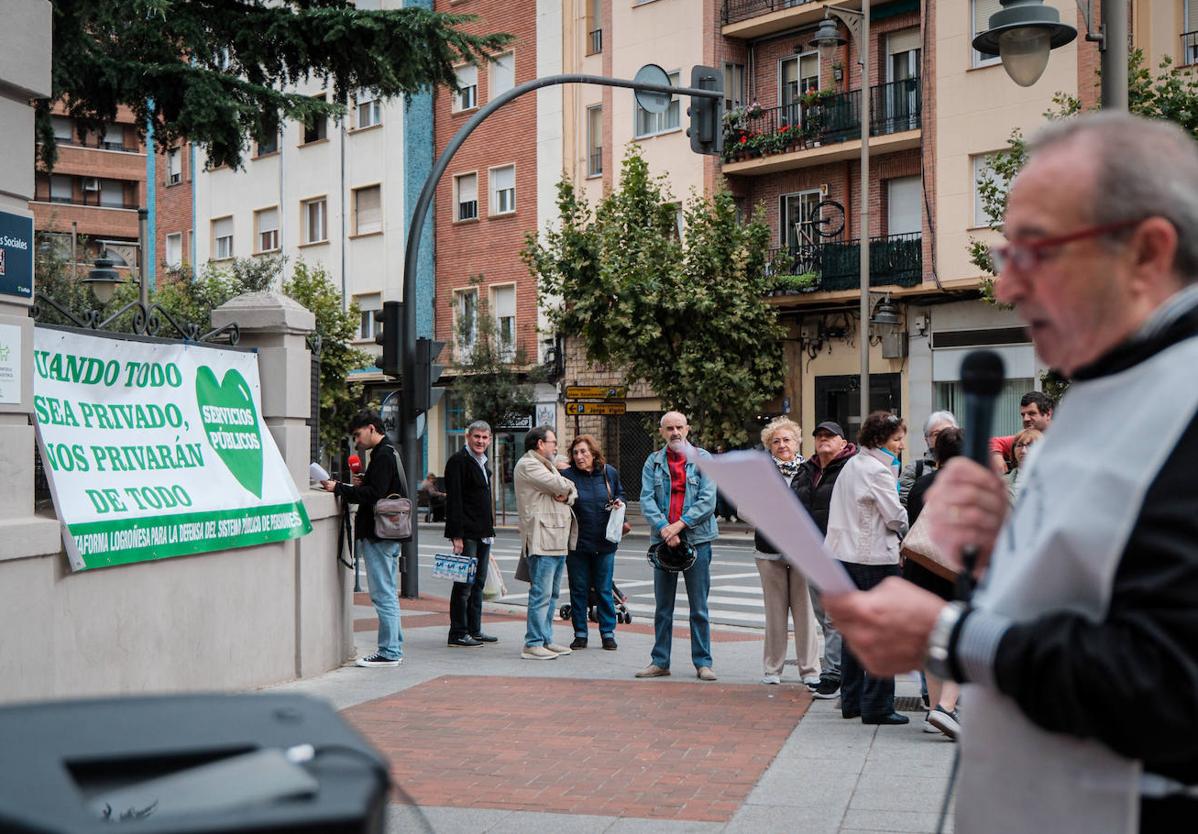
(982,375)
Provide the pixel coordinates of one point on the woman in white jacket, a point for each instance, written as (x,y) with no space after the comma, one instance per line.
(865,522)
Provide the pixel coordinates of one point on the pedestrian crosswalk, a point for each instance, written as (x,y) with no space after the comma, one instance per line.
(734,599)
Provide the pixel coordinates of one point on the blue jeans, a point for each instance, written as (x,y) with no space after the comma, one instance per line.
(665,588)
(382,559)
(588,569)
(545,578)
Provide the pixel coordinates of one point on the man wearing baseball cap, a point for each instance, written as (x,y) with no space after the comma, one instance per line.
(813,485)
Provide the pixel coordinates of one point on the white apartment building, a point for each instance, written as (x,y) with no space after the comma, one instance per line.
(329,193)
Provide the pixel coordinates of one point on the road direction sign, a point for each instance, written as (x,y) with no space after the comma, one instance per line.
(593,409)
(596,392)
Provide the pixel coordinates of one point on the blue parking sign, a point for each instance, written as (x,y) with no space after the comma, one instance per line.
(16,254)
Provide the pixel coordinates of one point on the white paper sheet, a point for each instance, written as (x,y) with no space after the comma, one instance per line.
(317,473)
(762,498)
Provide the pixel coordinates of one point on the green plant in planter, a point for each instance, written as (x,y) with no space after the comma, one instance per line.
(796,283)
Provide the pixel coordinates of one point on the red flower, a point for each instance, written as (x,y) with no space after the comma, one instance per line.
(744,139)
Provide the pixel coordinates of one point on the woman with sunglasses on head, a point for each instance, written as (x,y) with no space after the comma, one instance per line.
(592,562)
(864,525)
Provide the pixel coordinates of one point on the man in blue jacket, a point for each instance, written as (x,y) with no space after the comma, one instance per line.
(679,501)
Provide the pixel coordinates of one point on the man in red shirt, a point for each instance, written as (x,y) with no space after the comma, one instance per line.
(1036,410)
(679,501)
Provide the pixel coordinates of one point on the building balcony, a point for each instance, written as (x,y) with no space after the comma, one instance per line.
(894,260)
(86,161)
(821,127)
(748,19)
(91,220)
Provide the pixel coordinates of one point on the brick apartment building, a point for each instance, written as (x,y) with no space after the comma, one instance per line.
(497,189)
(939,110)
(173,204)
(87,206)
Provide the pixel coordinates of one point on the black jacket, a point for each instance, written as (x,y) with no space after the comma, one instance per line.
(384,476)
(760,542)
(1130,681)
(468,508)
(814,485)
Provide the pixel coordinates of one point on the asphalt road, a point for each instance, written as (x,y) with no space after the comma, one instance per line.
(735,597)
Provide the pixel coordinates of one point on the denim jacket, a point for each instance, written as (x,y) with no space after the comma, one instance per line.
(698,507)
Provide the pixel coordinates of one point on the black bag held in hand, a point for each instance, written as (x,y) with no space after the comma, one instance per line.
(393,514)
(673,559)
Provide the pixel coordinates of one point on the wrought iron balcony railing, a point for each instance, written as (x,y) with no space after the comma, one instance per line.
(820,118)
(737,10)
(893,259)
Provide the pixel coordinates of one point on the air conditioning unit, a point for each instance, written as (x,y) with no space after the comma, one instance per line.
(91,184)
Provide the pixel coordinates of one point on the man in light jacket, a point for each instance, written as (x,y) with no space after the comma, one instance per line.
(678,500)
(547,531)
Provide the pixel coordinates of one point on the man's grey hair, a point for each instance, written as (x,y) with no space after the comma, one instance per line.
(1145,168)
(662,421)
(936,418)
(478,425)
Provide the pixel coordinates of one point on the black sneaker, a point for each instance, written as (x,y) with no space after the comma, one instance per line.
(377,659)
(579,643)
(465,643)
(485,638)
(827,689)
(609,643)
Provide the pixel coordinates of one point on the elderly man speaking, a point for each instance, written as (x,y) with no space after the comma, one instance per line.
(1080,650)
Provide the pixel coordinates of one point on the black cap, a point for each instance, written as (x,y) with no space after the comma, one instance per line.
(829,426)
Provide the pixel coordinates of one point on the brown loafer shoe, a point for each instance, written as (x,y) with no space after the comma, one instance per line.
(652,671)
(704,673)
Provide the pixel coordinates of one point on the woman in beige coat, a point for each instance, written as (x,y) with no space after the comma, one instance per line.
(548,531)
(783,588)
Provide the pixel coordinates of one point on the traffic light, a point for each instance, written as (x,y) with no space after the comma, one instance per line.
(427,372)
(389,334)
(706,130)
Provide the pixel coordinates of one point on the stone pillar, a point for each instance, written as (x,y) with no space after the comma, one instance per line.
(277,326)
(24,74)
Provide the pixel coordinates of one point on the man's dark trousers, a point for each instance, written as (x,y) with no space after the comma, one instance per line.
(466,600)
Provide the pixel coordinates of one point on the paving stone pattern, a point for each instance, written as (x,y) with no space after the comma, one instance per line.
(642,749)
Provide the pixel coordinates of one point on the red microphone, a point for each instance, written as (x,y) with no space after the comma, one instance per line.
(355,464)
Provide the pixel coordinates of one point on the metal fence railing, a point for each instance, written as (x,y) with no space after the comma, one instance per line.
(893,259)
(735,11)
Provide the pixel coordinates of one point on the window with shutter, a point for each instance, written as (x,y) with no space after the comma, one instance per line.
(268,229)
(982,9)
(368,210)
(503,190)
(466,187)
(222,238)
(504,302)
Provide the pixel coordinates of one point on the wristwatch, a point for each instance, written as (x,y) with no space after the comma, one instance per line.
(941,640)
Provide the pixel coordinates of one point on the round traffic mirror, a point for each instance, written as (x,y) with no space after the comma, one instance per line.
(652,102)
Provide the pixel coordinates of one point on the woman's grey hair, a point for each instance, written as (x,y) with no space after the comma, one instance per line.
(478,425)
(780,424)
(1144,168)
(936,418)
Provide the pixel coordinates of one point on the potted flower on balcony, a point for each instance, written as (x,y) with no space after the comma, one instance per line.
(814,115)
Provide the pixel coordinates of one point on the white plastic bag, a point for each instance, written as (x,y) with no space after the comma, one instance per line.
(615,524)
(494,586)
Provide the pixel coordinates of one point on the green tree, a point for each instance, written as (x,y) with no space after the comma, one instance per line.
(336,327)
(684,314)
(217,71)
(1169,94)
(494,380)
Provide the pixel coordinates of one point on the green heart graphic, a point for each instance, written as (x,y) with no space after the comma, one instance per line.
(231,425)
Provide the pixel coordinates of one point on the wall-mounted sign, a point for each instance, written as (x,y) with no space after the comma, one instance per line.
(595,409)
(516,423)
(156,450)
(547,415)
(16,254)
(596,392)
(10,364)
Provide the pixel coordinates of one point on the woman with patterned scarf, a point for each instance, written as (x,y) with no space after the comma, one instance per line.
(784,589)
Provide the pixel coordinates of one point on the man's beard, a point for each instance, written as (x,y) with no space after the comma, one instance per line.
(677,444)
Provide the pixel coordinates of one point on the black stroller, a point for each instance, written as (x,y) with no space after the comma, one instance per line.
(620,598)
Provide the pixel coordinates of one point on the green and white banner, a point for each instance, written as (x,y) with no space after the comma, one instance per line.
(156,450)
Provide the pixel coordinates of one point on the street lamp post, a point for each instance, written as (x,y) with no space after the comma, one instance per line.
(1024,31)
(827,37)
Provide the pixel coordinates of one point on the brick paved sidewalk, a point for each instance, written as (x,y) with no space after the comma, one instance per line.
(481,741)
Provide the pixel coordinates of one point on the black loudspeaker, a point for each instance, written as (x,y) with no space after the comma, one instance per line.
(192,763)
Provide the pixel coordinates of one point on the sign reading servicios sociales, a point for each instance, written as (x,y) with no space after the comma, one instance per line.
(157,450)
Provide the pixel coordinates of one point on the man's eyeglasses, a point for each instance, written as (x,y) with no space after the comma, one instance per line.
(1024,256)
(1024,445)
